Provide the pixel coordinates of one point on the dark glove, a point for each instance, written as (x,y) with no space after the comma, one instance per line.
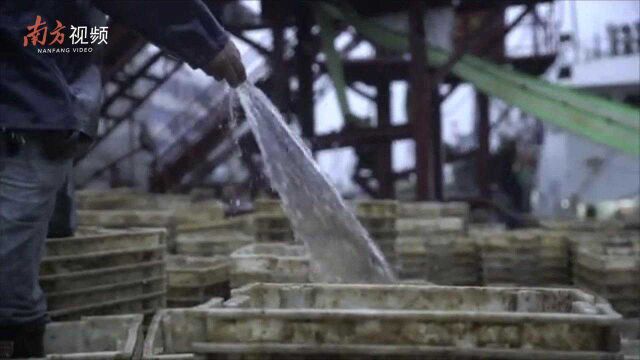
(227,65)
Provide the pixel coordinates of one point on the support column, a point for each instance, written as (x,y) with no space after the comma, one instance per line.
(420,105)
(436,149)
(304,62)
(384,170)
(483,126)
(280,75)
(482,133)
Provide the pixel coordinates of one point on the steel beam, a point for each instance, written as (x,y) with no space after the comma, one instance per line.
(472,42)
(436,143)
(135,104)
(377,8)
(420,110)
(482,133)
(483,41)
(370,70)
(255,45)
(482,44)
(353,137)
(279,76)
(384,170)
(172,173)
(304,62)
(99,172)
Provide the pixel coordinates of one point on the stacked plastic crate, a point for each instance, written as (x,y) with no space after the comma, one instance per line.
(220,237)
(610,267)
(445,259)
(379,218)
(555,258)
(438,251)
(525,257)
(630,342)
(118,337)
(193,280)
(434,209)
(187,211)
(432,244)
(272,263)
(144,210)
(101,272)
(117,198)
(270,222)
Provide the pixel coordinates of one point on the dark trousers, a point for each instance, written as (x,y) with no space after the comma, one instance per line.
(29,182)
(64,222)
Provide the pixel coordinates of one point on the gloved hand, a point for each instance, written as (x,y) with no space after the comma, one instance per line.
(227,65)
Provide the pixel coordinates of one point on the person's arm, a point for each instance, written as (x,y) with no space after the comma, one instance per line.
(185,28)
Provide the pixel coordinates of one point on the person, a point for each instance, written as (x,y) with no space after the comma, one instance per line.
(48,103)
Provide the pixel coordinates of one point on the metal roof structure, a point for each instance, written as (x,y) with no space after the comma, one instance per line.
(187,147)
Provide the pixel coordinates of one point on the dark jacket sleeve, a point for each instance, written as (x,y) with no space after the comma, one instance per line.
(185,28)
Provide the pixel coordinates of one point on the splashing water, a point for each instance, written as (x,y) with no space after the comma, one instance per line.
(340,248)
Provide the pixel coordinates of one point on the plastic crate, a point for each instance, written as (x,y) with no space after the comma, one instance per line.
(193,280)
(442,259)
(431,210)
(525,257)
(118,198)
(269,263)
(611,269)
(327,321)
(375,208)
(206,242)
(91,338)
(418,227)
(101,272)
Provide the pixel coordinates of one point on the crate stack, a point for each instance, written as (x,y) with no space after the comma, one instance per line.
(193,280)
(116,337)
(270,222)
(272,263)
(555,258)
(187,211)
(437,250)
(423,229)
(220,237)
(126,218)
(433,210)
(143,210)
(525,258)
(118,198)
(630,338)
(444,259)
(100,272)
(585,226)
(379,217)
(610,268)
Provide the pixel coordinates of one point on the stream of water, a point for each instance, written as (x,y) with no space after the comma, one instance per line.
(340,248)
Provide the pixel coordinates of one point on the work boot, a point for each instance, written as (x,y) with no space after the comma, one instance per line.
(6,349)
(7,337)
(22,341)
(30,342)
